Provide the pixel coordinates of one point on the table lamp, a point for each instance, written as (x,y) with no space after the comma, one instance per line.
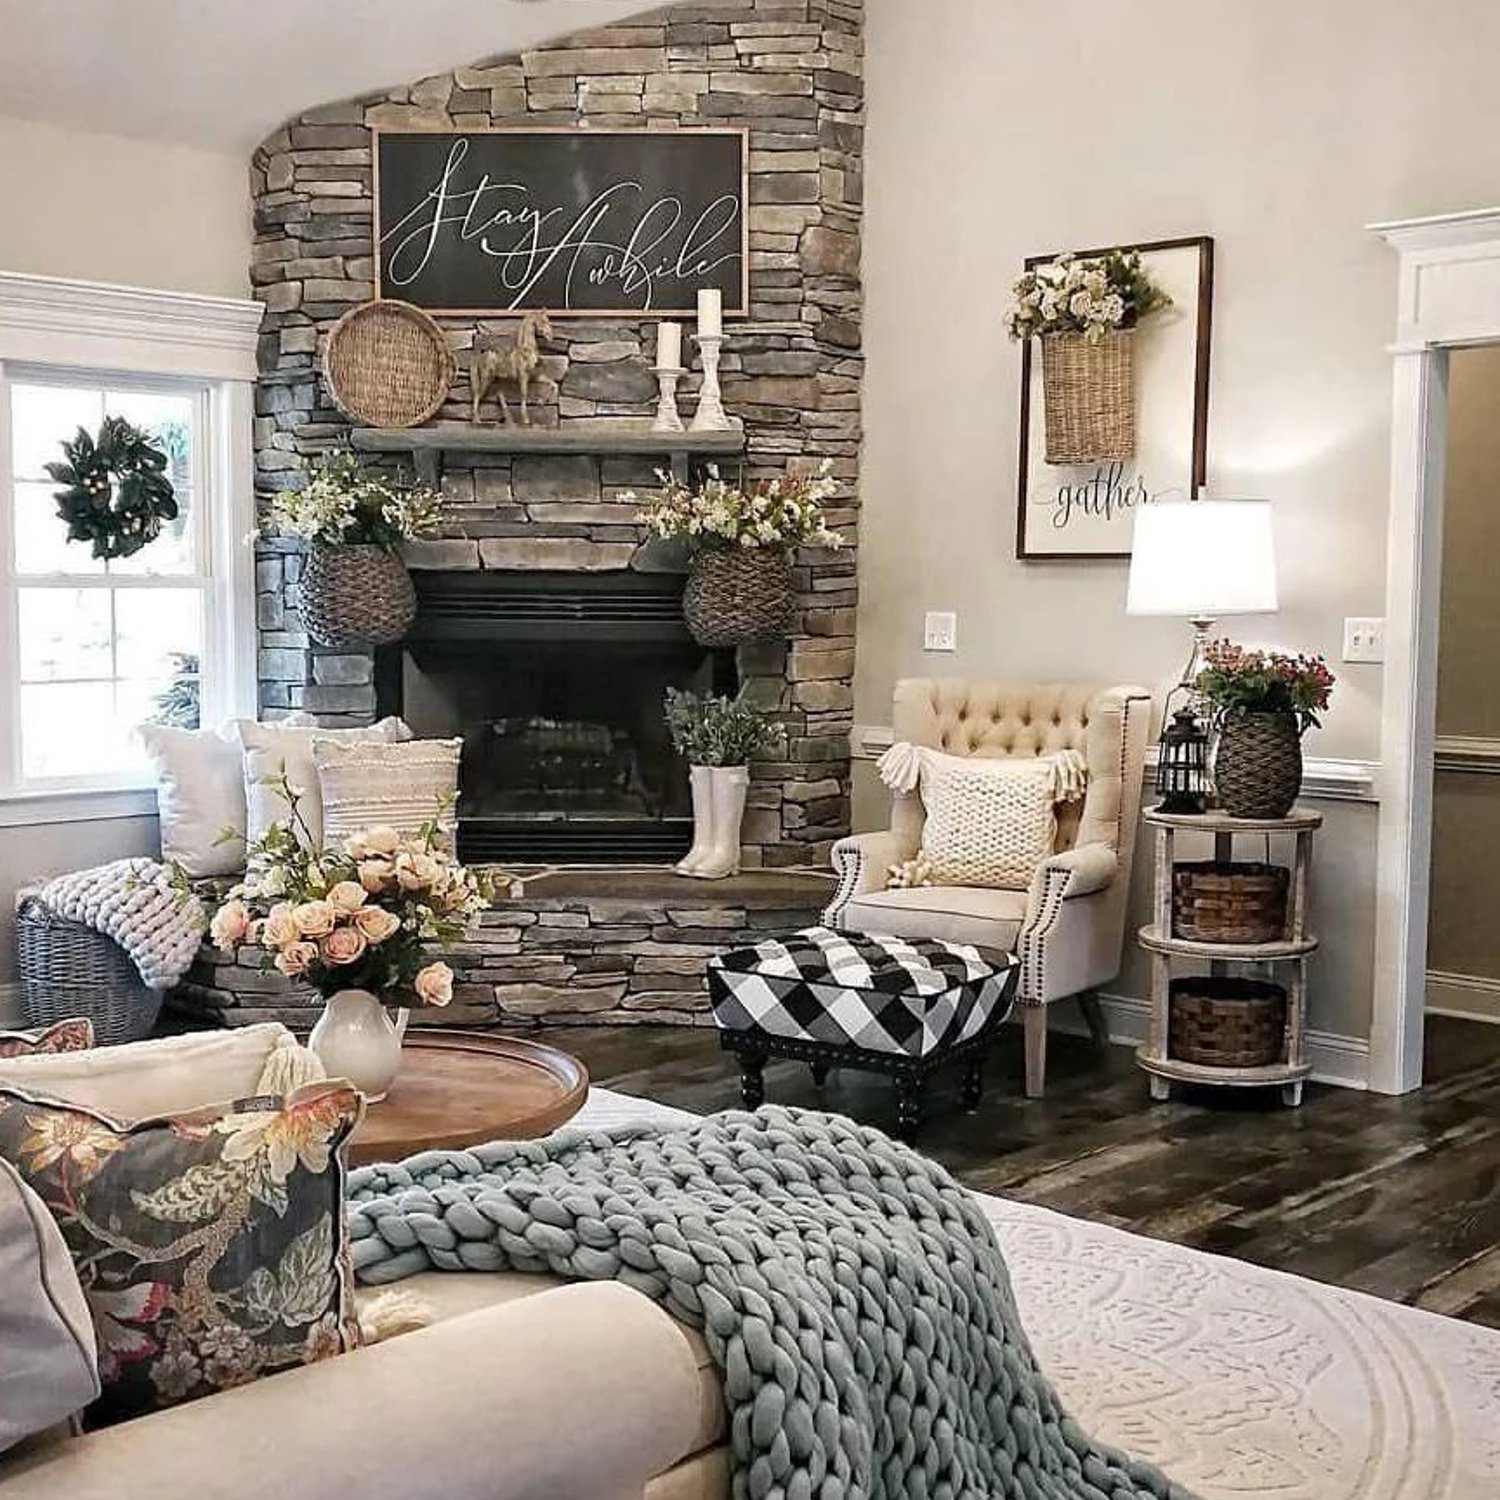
(1202,560)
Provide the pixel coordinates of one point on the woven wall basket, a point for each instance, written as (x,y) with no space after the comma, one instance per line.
(1257,769)
(1226,1022)
(1228,902)
(1089,392)
(356,597)
(741,597)
(388,364)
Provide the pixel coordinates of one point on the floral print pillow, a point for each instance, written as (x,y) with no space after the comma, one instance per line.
(211,1247)
(61,1036)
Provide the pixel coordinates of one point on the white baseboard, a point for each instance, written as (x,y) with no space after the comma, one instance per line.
(1340,1060)
(11,1014)
(1469,997)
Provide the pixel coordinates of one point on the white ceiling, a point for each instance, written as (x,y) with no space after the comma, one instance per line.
(222,74)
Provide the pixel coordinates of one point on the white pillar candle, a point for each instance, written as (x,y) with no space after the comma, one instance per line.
(669,346)
(710,313)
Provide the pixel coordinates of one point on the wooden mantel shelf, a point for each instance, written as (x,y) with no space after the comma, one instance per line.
(427,445)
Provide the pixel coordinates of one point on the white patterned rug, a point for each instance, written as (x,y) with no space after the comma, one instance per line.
(1238,1381)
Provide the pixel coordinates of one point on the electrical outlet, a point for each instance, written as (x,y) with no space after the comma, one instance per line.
(1364,640)
(940,632)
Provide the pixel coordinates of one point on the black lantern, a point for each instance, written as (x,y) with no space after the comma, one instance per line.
(1182,764)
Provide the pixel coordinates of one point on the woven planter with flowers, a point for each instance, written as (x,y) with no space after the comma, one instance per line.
(355,590)
(740,590)
(1084,313)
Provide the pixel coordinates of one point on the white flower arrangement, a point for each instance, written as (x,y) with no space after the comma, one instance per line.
(781,515)
(342,504)
(1094,296)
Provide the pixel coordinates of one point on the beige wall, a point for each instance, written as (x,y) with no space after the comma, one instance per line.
(1281,128)
(137,213)
(1464,937)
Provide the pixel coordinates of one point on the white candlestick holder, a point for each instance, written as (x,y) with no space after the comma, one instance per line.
(710,416)
(668,418)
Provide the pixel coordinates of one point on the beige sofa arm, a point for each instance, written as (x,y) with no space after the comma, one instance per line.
(1068,942)
(861,863)
(588,1391)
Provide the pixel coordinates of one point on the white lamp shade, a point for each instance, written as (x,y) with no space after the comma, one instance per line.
(1203,559)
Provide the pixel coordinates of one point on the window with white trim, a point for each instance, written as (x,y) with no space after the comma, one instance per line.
(91,649)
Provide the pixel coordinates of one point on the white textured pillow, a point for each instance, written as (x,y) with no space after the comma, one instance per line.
(396,786)
(48,1356)
(289,743)
(989,822)
(200,793)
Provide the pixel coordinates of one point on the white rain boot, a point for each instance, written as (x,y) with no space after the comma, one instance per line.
(703,822)
(730,786)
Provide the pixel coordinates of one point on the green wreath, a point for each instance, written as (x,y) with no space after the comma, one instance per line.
(117,493)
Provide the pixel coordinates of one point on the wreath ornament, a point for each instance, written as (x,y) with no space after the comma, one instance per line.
(116,491)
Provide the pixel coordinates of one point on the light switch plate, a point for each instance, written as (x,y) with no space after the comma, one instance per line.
(940,633)
(1364,640)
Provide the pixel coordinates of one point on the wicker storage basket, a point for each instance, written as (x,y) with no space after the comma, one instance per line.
(1226,1022)
(388,364)
(1257,768)
(1229,902)
(1089,393)
(356,597)
(740,597)
(69,970)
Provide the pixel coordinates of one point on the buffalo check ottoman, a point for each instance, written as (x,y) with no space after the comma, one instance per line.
(835,999)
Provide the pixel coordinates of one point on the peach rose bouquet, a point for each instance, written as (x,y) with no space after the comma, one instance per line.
(366,915)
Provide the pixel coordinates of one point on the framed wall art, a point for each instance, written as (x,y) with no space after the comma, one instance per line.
(572,221)
(1118,418)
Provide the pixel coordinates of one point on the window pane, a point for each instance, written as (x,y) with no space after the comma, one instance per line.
(52,715)
(153,628)
(168,419)
(65,635)
(42,544)
(42,418)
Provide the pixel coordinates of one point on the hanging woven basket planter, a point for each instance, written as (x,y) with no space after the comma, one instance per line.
(1258,764)
(355,597)
(740,597)
(1088,386)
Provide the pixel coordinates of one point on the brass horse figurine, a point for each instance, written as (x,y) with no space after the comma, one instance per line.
(516,362)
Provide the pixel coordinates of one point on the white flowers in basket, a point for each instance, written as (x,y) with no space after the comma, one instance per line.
(1093,296)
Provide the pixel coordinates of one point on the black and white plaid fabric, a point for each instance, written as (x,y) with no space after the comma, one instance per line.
(882,994)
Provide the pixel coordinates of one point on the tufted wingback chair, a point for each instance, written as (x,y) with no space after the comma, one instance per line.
(1068,928)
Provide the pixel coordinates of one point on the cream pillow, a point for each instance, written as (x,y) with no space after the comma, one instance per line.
(200,795)
(48,1356)
(398,786)
(289,743)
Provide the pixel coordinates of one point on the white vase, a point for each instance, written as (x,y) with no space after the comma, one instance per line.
(357,1039)
(703,821)
(729,786)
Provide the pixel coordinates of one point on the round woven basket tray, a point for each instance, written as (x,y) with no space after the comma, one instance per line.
(388,364)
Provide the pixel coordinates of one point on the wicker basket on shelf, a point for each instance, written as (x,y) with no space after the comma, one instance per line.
(739,598)
(1088,389)
(1229,902)
(70,971)
(388,364)
(355,597)
(1223,1021)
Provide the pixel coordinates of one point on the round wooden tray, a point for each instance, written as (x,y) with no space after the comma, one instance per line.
(388,364)
(463,1088)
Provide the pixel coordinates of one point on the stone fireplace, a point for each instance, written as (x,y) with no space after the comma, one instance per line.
(552,518)
(555,681)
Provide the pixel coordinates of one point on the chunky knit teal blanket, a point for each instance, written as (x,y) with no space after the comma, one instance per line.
(851,1292)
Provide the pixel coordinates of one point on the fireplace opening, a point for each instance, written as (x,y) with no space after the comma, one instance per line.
(555,682)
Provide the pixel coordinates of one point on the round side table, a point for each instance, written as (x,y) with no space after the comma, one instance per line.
(1292,950)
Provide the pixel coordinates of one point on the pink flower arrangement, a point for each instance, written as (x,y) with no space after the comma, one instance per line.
(1239,680)
(363,916)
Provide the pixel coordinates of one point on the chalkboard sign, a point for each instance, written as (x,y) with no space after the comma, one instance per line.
(573,221)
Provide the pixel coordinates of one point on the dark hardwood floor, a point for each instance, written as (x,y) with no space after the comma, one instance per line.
(1397,1197)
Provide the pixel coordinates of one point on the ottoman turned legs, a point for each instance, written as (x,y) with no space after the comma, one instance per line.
(752,1079)
(973,1091)
(820,1072)
(908,1103)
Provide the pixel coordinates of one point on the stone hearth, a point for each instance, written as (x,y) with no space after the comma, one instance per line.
(570,947)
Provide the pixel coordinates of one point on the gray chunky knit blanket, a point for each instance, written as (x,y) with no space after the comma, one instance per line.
(851,1293)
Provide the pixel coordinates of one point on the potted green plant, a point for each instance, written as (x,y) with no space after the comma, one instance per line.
(1263,702)
(717,737)
(1084,313)
(356,592)
(740,544)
